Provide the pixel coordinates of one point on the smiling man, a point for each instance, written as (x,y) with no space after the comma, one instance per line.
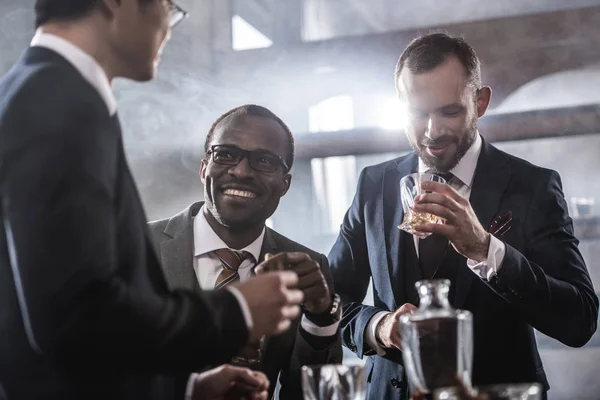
(524,273)
(218,242)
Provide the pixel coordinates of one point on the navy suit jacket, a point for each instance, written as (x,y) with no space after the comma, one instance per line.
(85,311)
(543,282)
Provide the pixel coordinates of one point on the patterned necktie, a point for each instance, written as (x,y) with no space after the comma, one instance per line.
(433,248)
(230,261)
(251,354)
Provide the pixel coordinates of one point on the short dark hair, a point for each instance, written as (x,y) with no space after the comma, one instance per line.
(429,51)
(65,10)
(256,111)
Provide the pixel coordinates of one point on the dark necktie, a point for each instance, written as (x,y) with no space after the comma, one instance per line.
(230,261)
(433,248)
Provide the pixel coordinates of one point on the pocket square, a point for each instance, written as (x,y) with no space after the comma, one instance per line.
(501,224)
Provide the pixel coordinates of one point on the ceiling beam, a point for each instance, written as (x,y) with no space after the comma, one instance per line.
(513,51)
(539,124)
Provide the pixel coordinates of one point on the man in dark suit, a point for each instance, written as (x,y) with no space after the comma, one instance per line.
(249,152)
(85,311)
(528,274)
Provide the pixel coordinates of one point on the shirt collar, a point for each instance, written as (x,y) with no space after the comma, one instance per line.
(206,239)
(87,66)
(465,169)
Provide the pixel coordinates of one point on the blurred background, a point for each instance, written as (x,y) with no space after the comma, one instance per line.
(326,68)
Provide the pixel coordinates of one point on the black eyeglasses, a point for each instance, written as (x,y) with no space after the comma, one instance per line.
(259,160)
(176,14)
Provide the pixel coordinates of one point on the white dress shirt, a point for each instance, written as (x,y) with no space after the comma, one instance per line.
(87,66)
(462,182)
(207,267)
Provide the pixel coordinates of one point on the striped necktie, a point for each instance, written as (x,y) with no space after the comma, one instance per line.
(230,262)
(251,354)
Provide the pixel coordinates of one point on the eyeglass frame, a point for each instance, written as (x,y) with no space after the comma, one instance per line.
(246,154)
(175,10)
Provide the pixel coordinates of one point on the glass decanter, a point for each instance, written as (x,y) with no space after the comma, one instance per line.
(437,341)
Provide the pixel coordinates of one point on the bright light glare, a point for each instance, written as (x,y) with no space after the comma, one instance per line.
(247,37)
(332,114)
(393,114)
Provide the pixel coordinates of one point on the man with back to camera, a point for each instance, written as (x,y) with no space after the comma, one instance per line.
(212,243)
(522,273)
(85,311)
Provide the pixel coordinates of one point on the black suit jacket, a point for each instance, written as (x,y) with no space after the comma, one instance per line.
(85,311)
(285,353)
(543,282)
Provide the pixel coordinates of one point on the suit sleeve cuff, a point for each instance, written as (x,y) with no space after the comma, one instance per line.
(243,305)
(487,269)
(371,338)
(313,329)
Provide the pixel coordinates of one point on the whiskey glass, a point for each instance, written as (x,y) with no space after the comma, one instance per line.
(410,188)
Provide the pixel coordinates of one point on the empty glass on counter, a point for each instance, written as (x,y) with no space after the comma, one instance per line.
(334,382)
(517,391)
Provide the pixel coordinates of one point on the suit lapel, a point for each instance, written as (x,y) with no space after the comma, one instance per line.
(178,253)
(489,184)
(392,217)
(268,246)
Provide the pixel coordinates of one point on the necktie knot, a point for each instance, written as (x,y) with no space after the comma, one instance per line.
(447,176)
(230,262)
(232,259)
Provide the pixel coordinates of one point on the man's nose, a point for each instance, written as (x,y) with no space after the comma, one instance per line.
(242,169)
(434,128)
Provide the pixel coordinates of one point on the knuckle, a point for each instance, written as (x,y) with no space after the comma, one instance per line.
(226,368)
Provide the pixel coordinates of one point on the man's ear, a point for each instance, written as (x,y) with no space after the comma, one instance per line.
(484,96)
(287,181)
(203,166)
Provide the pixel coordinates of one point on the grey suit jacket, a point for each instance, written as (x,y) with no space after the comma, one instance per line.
(284,354)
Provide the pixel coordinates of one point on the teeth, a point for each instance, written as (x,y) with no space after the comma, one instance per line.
(240,193)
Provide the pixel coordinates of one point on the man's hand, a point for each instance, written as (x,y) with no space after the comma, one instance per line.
(273,301)
(228,383)
(462,228)
(317,297)
(387,331)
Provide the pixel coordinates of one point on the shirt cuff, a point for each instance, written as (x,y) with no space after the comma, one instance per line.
(189,389)
(243,305)
(317,330)
(488,268)
(371,338)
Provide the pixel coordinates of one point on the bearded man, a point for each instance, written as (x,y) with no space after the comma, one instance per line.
(507,244)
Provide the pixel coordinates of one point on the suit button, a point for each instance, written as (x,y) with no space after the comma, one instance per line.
(396,383)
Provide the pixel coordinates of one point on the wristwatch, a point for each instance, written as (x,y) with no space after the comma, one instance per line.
(329,317)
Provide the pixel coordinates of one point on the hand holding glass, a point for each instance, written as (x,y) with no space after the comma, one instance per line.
(410,188)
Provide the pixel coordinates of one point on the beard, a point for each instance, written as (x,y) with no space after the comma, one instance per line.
(463,143)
